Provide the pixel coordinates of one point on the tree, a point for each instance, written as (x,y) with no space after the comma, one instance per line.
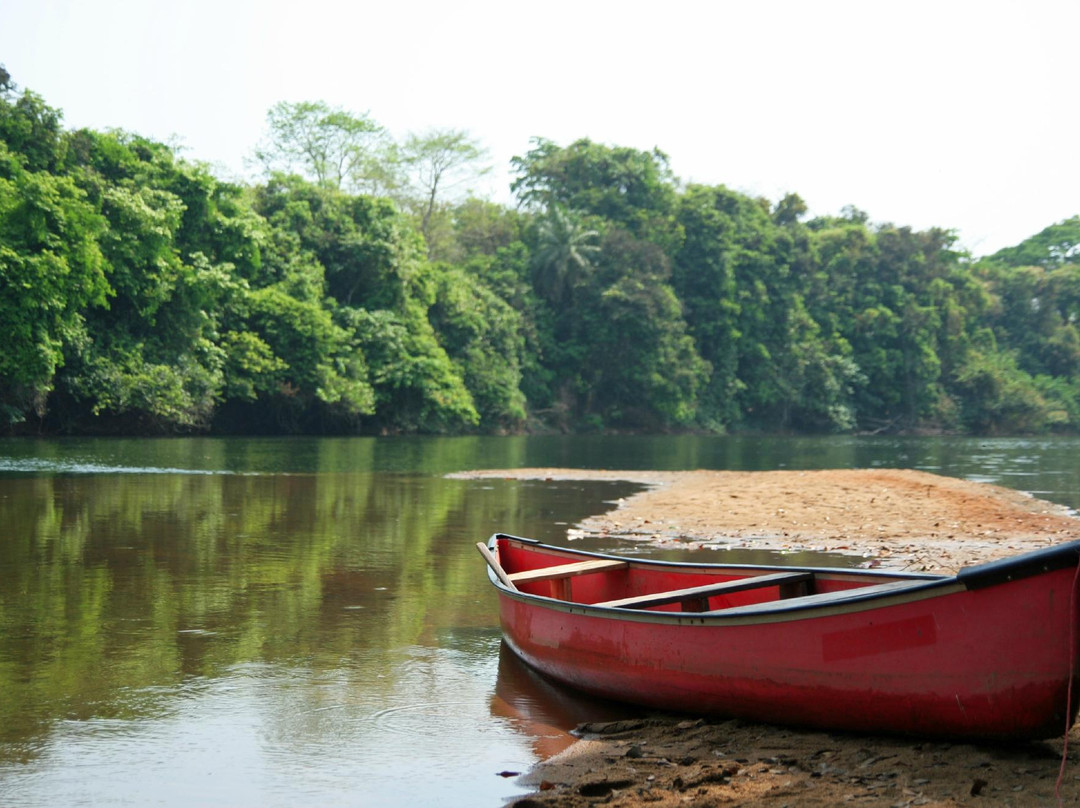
(482,335)
(51,271)
(1054,246)
(483,228)
(789,210)
(640,363)
(564,249)
(417,387)
(437,162)
(815,378)
(30,127)
(321,361)
(996,396)
(365,245)
(156,355)
(731,274)
(328,145)
(631,188)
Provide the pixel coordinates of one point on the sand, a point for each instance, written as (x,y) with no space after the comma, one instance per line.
(896,519)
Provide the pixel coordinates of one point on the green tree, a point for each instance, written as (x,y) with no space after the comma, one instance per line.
(438,162)
(1036,315)
(154,357)
(640,366)
(30,127)
(1055,246)
(996,396)
(381,291)
(789,210)
(483,336)
(482,227)
(564,250)
(365,247)
(417,387)
(731,273)
(816,378)
(320,362)
(328,145)
(51,271)
(631,188)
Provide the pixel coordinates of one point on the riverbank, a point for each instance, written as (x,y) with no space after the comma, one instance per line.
(898,519)
(894,518)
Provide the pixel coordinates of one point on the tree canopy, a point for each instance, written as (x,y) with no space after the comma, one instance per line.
(358,287)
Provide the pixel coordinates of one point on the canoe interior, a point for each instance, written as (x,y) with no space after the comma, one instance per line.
(589,578)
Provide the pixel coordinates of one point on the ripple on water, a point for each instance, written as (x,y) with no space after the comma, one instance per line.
(444,718)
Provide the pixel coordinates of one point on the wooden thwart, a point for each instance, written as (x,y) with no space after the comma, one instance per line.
(840,596)
(696,598)
(567,570)
(560,576)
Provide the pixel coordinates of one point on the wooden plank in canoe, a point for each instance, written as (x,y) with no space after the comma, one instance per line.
(696,597)
(840,596)
(561,575)
(567,570)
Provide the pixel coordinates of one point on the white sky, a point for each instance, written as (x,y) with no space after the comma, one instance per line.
(953,114)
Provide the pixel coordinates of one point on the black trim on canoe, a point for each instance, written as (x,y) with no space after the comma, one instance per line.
(903,586)
(1026,565)
(710,566)
(524,540)
(979,576)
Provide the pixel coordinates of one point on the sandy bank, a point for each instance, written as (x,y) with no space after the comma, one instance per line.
(895,518)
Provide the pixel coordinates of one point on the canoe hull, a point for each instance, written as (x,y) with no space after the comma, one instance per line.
(991,663)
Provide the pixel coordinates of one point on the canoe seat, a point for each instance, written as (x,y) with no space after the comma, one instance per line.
(696,598)
(567,570)
(561,575)
(832,598)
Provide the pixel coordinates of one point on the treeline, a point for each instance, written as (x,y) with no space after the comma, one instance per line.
(347,293)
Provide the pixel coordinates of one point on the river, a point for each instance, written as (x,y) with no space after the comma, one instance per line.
(287,622)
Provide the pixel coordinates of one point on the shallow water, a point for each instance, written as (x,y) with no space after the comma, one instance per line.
(306,622)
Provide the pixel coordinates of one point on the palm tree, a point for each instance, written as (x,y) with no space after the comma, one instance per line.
(564,247)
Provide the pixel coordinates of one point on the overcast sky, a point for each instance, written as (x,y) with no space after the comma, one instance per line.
(962,115)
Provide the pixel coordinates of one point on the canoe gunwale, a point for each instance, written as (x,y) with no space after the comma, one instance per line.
(911,587)
(840,572)
(771,611)
(1037,562)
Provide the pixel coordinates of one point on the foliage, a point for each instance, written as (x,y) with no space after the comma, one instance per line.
(563,252)
(355,290)
(437,162)
(630,188)
(328,145)
(364,247)
(417,387)
(482,335)
(641,368)
(1056,246)
(51,271)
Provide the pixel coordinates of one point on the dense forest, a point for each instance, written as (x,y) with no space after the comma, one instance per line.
(356,290)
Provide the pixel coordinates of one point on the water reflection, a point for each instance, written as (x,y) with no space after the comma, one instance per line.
(1043,465)
(545,712)
(263,640)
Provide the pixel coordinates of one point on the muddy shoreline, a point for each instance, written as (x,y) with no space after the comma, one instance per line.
(898,519)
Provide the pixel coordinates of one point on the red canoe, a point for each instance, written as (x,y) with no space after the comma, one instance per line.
(988,653)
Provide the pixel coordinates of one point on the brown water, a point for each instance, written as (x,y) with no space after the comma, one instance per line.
(307,622)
